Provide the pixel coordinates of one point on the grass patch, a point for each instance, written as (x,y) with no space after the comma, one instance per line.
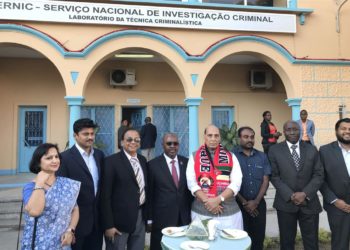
(324,239)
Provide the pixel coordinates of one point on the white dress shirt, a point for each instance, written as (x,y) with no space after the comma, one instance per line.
(141,171)
(346,155)
(169,160)
(297,149)
(91,164)
(235,176)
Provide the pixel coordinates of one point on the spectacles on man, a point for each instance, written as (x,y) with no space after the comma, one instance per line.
(172,143)
(136,140)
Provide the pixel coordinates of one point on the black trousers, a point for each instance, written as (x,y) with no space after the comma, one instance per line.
(266,147)
(340,228)
(308,224)
(92,241)
(255,226)
(156,235)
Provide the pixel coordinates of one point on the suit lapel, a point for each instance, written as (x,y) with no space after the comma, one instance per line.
(303,152)
(97,160)
(182,168)
(79,159)
(165,171)
(338,156)
(286,151)
(128,167)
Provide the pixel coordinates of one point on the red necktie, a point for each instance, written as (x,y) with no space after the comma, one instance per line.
(174,173)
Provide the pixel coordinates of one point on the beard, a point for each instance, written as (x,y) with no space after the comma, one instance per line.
(342,140)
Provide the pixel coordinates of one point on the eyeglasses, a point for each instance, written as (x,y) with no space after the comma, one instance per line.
(136,140)
(172,143)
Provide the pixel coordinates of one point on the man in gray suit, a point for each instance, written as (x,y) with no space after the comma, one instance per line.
(335,157)
(297,175)
(307,128)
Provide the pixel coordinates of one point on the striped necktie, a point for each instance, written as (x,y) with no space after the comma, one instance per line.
(296,157)
(137,170)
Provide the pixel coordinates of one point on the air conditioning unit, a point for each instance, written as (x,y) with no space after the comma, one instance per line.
(122,77)
(260,79)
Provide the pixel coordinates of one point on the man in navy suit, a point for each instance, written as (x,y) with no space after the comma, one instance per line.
(335,157)
(169,200)
(84,163)
(123,196)
(148,139)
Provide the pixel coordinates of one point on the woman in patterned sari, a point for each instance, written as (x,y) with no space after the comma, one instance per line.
(51,212)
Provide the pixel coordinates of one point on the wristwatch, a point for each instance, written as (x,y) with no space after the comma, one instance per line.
(36,187)
(222,198)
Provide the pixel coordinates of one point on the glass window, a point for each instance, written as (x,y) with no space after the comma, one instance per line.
(260,2)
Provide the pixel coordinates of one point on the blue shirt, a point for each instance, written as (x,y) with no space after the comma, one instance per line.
(254,167)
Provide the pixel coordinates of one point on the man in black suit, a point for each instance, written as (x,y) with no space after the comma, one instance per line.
(297,175)
(123,196)
(84,163)
(148,139)
(335,157)
(169,200)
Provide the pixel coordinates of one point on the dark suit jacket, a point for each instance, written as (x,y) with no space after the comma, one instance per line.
(288,180)
(166,203)
(148,136)
(120,193)
(74,167)
(337,180)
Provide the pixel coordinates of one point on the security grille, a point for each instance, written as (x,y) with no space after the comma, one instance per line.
(104,117)
(171,119)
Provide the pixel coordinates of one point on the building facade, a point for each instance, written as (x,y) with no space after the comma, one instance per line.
(184,63)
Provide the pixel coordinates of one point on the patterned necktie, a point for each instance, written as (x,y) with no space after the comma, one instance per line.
(296,157)
(174,173)
(137,170)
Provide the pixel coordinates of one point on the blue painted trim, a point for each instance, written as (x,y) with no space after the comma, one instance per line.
(193,128)
(171,44)
(194,78)
(8,172)
(193,101)
(74,75)
(293,4)
(196,3)
(302,19)
(295,104)
(74,100)
(74,104)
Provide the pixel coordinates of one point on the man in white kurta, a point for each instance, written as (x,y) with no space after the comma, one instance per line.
(214,177)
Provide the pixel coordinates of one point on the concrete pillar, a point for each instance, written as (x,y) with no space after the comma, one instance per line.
(74,103)
(193,138)
(295,104)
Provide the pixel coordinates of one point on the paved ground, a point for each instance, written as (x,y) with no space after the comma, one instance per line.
(11,187)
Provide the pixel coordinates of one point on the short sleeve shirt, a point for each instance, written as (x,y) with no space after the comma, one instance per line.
(254,167)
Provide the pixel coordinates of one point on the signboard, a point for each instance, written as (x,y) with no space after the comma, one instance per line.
(151,16)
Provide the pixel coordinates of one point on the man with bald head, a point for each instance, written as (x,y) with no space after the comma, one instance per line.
(214,178)
(169,200)
(297,175)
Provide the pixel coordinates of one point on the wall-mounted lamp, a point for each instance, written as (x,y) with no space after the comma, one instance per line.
(342,111)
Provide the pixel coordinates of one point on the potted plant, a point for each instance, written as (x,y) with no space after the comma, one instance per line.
(229,136)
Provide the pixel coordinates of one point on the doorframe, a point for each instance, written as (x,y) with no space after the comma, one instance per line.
(144,112)
(21,111)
